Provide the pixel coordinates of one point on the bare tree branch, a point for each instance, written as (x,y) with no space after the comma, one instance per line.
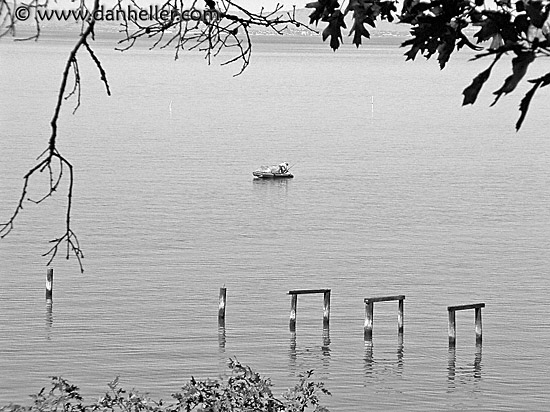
(52,153)
(224,25)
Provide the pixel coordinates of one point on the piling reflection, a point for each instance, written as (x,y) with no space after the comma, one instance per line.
(304,354)
(325,348)
(477,361)
(369,357)
(49,318)
(221,338)
(400,353)
(374,365)
(464,373)
(292,351)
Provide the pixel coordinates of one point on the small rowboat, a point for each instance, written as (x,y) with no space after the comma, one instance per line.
(271,172)
(270,175)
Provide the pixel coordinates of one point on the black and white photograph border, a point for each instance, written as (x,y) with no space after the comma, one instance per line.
(177,175)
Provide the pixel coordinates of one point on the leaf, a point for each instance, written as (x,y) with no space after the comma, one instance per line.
(333,29)
(520,63)
(323,10)
(316,15)
(526,101)
(497,42)
(545,80)
(522,23)
(387,8)
(412,9)
(536,13)
(445,50)
(488,29)
(353,5)
(471,92)
(496,22)
(524,105)
(360,31)
(359,28)
(411,54)
(464,41)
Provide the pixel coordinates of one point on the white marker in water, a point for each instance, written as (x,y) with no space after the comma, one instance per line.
(170,107)
(372,106)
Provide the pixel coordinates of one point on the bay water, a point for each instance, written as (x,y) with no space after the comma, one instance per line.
(397,190)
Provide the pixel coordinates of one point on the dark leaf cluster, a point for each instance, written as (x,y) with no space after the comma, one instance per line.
(244,391)
(438,27)
(363,12)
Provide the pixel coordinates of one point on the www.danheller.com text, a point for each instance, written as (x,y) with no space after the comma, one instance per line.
(129,13)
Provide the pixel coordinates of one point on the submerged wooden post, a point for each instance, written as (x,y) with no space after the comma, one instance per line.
(293,306)
(294,303)
(369,318)
(400,316)
(452,328)
(369,314)
(452,321)
(479,329)
(326,309)
(221,306)
(49,284)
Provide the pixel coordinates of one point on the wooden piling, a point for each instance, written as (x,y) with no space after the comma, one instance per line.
(294,303)
(221,306)
(400,317)
(369,314)
(452,328)
(49,284)
(452,321)
(479,328)
(369,318)
(293,306)
(326,309)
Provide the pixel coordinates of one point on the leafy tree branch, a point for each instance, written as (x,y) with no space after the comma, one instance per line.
(438,28)
(244,391)
(52,154)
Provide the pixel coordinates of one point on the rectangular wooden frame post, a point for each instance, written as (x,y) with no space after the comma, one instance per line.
(221,306)
(400,316)
(452,328)
(326,309)
(49,284)
(479,329)
(452,321)
(294,304)
(369,314)
(369,319)
(293,307)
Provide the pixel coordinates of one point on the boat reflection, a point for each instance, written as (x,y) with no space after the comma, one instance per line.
(267,184)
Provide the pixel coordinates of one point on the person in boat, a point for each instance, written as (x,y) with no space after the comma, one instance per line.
(283,167)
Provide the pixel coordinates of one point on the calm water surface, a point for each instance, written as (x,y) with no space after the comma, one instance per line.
(413,196)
